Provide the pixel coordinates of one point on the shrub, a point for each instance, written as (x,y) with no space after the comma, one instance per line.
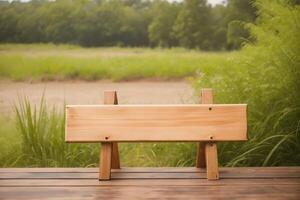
(266,76)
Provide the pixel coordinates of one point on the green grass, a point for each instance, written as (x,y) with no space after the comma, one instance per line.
(265,75)
(35,138)
(42,62)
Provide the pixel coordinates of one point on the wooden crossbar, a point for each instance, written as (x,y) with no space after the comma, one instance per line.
(204,123)
(127,123)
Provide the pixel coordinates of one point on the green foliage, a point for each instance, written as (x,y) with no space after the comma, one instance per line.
(42,139)
(84,22)
(239,12)
(236,34)
(160,29)
(219,27)
(38,141)
(265,75)
(192,24)
(66,62)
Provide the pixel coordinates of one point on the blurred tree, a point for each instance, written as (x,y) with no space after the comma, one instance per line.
(219,27)
(160,28)
(60,21)
(239,12)
(8,21)
(192,26)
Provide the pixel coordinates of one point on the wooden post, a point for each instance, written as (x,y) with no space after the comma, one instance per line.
(205,98)
(207,155)
(109,155)
(212,161)
(105,161)
(111,98)
(200,158)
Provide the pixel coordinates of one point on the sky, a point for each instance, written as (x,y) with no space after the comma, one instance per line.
(214,2)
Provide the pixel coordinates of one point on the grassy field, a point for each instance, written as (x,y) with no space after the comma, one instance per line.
(264,74)
(36,138)
(46,62)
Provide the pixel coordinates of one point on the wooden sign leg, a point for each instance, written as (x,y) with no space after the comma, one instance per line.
(115,161)
(111,98)
(207,154)
(212,168)
(206,98)
(200,159)
(105,161)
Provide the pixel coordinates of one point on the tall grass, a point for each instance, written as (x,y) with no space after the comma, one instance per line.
(64,62)
(266,75)
(41,135)
(38,141)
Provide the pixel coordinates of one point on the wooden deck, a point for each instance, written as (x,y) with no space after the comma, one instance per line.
(150,183)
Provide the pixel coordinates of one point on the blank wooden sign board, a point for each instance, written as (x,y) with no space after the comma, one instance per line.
(204,123)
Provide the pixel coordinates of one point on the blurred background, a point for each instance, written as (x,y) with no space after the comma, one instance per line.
(206,25)
(61,52)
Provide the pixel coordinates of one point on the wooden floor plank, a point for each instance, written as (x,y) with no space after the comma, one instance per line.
(153,192)
(150,183)
(144,175)
(144,182)
(154,169)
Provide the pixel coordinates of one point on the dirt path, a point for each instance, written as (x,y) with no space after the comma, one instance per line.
(79,92)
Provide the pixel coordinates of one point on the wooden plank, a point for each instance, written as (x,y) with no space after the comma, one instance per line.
(105,161)
(156,123)
(277,192)
(146,182)
(200,155)
(206,98)
(111,98)
(224,173)
(236,170)
(115,159)
(114,175)
(211,161)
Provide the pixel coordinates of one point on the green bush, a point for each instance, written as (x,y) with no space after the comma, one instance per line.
(266,76)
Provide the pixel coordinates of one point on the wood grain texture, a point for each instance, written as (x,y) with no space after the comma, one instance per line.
(222,192)
(211,155)
(111,98)
(153,173)
(200,155)
(146,182)
(61,177)
(115,157)
(105,161)
(156,123)
(258,172)
(279,183)
(205,98)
